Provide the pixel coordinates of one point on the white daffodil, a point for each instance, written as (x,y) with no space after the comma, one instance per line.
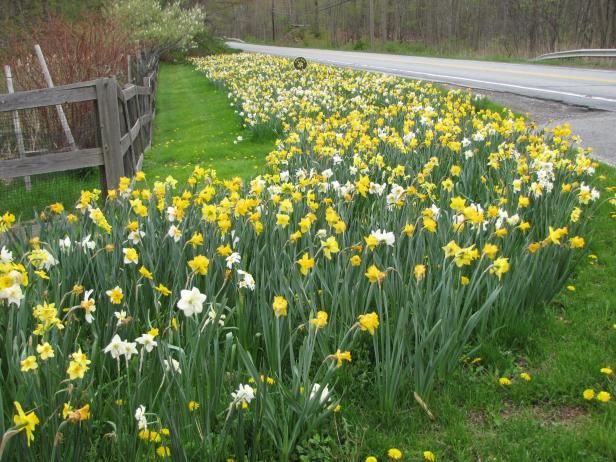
(147,341)
(191,301)
(115,347)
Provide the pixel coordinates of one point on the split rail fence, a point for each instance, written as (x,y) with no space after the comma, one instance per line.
(121,120)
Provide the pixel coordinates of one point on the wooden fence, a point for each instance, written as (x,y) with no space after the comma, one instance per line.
(124,128)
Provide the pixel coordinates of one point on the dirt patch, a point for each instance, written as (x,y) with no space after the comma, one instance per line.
(547,415)
(560,415)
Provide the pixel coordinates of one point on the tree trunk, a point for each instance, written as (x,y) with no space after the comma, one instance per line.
(371,21)
(384,19)
(315,28)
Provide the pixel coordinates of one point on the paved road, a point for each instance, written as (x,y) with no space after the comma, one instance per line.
(585,90)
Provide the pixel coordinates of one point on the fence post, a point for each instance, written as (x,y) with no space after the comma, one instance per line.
(17,125)
(109,125)
(61,115)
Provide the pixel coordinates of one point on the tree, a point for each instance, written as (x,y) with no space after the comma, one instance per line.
(160,29)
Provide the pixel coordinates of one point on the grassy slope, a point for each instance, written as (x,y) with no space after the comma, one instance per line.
(195,125)
(562,346)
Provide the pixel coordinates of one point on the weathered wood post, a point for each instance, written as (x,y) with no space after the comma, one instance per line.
(17,124)
(109,126)
(129,74)
(61,115)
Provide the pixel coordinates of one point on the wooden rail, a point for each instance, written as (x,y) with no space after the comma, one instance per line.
(124,128)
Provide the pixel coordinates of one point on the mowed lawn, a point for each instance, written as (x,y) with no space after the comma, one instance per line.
(194,125)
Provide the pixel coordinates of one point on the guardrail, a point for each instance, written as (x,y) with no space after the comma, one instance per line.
(232,39)
(582,53)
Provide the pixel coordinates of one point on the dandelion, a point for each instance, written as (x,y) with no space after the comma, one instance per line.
(504,381)
(429,456)
(589,394)
(525,376)
(604,396)
(394,454)
(606,371)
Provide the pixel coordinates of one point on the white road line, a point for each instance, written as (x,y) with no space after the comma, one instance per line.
(444,78)
(487,82)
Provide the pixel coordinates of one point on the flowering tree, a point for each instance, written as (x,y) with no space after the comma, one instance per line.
(160,29)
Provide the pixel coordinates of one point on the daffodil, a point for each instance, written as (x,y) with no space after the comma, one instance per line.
(27,422)
(279,306)
(369,322)
(305,264)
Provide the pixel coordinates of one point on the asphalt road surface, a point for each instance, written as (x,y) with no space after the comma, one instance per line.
(584,97)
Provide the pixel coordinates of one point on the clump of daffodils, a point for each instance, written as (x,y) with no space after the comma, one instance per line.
(389,213)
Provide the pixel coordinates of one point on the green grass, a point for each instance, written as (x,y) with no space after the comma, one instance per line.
(562,345)
(46,189)
(195,125)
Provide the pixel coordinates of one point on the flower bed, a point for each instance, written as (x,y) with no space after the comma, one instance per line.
(395,224)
